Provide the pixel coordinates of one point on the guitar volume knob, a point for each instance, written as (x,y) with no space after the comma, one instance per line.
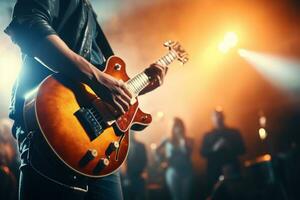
(104,162)
(93,153)
(90,155)
(112,147)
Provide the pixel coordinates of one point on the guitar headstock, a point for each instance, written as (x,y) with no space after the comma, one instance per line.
(176,48)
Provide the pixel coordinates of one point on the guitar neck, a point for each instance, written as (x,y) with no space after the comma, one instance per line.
(141,80)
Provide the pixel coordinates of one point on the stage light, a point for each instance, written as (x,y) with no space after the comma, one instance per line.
(242,53)
(230,40)
(262,133)
(262,121)
(282,72)
(267,157)
(223,48)
(9,70)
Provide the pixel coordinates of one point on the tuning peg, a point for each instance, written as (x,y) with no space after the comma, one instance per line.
(185,60)
(169,43)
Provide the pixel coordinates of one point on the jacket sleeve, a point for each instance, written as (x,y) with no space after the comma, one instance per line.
(32,20)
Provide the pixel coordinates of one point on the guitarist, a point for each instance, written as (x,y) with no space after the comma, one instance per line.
(63,36)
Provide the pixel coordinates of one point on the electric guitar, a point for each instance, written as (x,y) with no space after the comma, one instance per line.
(80,127)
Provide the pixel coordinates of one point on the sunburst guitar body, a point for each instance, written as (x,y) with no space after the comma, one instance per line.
(80,127)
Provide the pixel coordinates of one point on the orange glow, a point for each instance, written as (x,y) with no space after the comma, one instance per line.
(137,31)
(230,40)
(260,159)
(210,78)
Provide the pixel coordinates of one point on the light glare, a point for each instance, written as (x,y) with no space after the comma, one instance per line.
(262,133)
(230,40)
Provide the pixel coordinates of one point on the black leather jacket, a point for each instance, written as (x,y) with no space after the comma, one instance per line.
(36,19)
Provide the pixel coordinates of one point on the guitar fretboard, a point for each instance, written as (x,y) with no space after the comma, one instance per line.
(141,80)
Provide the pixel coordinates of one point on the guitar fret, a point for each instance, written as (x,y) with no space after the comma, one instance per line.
(174,54)
(138,83)
(161,62)
(141,80)
(166,61)
(169,59)
(172,57)
(129,87)
(134,86)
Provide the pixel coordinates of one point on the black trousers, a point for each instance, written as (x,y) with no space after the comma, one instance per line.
(33,186)
(44,178)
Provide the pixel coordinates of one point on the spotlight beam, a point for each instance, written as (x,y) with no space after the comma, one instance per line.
(282,72)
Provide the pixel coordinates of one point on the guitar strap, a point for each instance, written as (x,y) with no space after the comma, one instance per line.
(101,38)
(71,8)
(103,43)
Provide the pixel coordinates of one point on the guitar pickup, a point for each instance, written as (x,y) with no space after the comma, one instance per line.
(90,123)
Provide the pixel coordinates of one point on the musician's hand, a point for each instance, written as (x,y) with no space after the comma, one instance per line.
(156,74)
(119,95)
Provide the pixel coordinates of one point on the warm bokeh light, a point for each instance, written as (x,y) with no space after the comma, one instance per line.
(262,133)
(159,115)
(9,70)
(260,159)
(262,121)
(230,40)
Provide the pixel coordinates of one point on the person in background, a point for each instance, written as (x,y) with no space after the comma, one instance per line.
(134,183)
(9,162)
(221,147)
(176,153)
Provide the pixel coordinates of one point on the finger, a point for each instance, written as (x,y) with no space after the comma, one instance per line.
(160,82)
(160,72)
(125,105)
(122,85)
(159,66)
(156,65)
(123,95)
(166,70)
(118,106)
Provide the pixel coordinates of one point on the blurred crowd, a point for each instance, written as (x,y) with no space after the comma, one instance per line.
(167,171)
(9,162)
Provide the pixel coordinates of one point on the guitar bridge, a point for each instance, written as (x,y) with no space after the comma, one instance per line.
(91,122)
